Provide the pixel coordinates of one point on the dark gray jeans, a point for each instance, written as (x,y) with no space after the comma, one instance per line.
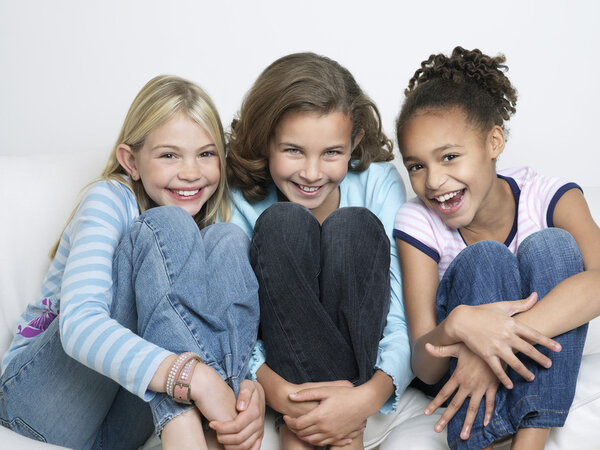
(324,291)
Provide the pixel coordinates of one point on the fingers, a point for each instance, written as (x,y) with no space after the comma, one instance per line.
(535,337)
(498,370)
(470,416)
(443,351)
(533,353)
(451,410)
(444,394)
(518,306)
(490,397)
(298,424)
(336,383)
(247,388)
(307,395)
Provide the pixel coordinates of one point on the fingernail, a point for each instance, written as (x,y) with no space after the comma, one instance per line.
(242,405)
(532,377)
(293,394)
(427,412)
(510,386)
(486,421)
(558,347)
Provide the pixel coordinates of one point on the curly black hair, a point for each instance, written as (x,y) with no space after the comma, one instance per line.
(469,80)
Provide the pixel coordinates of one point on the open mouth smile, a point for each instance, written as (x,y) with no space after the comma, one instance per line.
(308,190)
(449,203)
(185,194)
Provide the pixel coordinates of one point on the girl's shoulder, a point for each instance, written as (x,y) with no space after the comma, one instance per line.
(245,213)
(378,179)
(111,198)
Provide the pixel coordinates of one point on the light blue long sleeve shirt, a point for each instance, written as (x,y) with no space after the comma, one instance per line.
(77,291)
(381,190)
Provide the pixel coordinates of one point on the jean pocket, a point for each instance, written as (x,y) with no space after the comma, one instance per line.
(21,427)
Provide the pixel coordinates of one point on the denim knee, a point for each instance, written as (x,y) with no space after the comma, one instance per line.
(483,272)
(170,217)
(553,248)
(355,223)
(282,217)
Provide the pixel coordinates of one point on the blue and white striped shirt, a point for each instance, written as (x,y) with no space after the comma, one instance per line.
(78,290)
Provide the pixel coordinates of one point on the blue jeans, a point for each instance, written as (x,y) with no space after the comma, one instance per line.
(179,287)
(487,272)
(324,291)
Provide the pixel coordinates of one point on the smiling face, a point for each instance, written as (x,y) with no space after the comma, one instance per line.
(178,164)
(451,165)
(308,158)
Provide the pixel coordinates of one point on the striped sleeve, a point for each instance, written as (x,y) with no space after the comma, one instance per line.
(415,226)
(88,333)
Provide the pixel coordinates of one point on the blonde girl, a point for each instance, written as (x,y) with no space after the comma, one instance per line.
(149,311)
(472,244)
(315,191)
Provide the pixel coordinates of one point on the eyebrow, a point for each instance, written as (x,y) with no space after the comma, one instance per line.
(175,147)
(291,144)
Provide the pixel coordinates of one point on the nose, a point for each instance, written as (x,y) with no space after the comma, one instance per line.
(436,177)
(190,170)
(311,171)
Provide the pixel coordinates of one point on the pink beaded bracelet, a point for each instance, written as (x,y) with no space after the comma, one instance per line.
(180,376)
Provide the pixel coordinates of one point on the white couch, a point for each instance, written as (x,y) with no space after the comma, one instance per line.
(37,194)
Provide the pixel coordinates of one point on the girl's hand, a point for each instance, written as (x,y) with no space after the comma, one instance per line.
(472,378)
(339,417)
(245,432)
(491,333)
(297,408)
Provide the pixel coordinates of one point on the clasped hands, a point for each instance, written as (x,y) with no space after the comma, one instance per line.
(489,337)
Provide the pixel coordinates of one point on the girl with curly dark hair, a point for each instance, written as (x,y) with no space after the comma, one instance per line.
(493,264)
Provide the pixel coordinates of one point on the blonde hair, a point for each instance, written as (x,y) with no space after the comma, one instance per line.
(302,82)
(159,100)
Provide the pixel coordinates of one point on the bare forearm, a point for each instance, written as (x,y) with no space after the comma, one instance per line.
(277,391)
(425,366)
(158,381)
(377,390)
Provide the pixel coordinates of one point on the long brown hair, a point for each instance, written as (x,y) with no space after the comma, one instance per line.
(300,82)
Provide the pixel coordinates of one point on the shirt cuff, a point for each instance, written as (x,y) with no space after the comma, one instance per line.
(257,359)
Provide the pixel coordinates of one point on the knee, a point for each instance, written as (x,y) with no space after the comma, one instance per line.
(553,245)
(484,255)
(228,237)
(283,218)
(167,221)
(354,223)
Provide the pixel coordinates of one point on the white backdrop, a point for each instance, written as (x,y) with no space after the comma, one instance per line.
(69,69)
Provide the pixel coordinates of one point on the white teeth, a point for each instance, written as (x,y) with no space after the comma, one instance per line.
(187,193)
(446,197)
(309,188)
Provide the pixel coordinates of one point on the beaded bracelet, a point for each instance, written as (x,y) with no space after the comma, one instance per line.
(180,374)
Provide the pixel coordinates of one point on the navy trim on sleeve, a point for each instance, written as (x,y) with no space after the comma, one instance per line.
(433,254)
(514,187)
(559,193)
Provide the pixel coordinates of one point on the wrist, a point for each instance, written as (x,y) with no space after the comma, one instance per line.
(452,324)
(374,393)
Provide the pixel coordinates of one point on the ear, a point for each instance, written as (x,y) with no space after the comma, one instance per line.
(126,157)
(496,141)
(358,138)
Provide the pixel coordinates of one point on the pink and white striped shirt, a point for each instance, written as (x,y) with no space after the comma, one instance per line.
(535,198)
